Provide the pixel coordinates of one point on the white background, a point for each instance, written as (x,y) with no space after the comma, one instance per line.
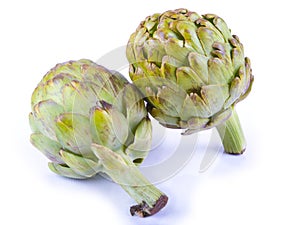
(261,186)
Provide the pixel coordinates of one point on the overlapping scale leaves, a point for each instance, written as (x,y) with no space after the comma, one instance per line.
(190,68)
(79,104)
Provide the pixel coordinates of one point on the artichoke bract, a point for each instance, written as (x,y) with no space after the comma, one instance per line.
(192,72)
(88,120)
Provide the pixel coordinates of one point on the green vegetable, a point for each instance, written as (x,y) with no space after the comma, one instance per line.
(192,72)
(89,120)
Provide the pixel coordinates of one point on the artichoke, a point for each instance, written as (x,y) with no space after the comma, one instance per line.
(88,120)
(192,72)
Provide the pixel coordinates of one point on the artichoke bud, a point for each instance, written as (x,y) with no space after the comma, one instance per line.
(89,120)
(200,56)
(68,111)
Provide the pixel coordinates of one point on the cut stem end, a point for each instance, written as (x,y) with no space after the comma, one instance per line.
(144,210)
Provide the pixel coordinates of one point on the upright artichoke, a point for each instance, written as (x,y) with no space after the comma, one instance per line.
(192,72)
(89,120)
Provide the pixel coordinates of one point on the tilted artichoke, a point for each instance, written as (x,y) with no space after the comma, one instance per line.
(192,72)
(89,120)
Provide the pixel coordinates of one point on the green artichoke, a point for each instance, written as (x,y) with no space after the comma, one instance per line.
(192,72)
(89,120)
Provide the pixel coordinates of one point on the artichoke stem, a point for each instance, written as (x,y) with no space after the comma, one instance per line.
(150,200)
(232,135)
